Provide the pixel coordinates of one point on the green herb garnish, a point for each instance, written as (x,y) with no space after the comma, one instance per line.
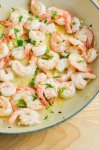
(20,18)
(21,103)
(27,40)
(73,23)
(30,19)
(52,111)
(33,42)
(0,6)
(46,117)
(35,97)
(47,50)
(45,21)
(37,17)
(47,57)
(63,89)
(13,9)
(35,74)
(80,61)
(65,56)
(16,31)
(56,77)
(49,85)
(20,42)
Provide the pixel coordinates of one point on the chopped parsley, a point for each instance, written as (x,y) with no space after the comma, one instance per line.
(59,112)
(63,89)
(27,40)
(46,117)
(45,21)
(37,17)
(16,31)
(47,50)
(21,103)
(47,57)
(1,36)
(80,61)
(20,18)
(52,111)
(33,79)
(54,13)
(20,42)
(73,23)
(0,6)
(65,56)
(35,97)
(33,42)
(49,85)
(30,19)
(13,9)
(56,76)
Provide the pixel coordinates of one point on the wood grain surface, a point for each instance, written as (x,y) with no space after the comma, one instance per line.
(79,133)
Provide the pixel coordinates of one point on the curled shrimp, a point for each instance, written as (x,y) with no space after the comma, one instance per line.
(32,24)
(75,24)
(48,28)
(18,53)
(4,50)
(91,55)
(79,79)
(37,7)
(67,89)
(6,75)
(39,42)
(23,71)
(5,107)
(62,64)
(7,88)
(48,62)
(40,78)
(58,42)
(79,44)
(27,117)
(19,15)
(85,35)
(78,62)
(26,94)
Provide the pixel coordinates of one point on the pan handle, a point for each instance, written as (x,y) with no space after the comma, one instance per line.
(96,3)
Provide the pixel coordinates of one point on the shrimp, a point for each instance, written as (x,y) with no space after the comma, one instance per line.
(67,75)
(51,88)
(27,117)
(67,89)
(62,64)
(18,53)
(38,42)
(7,89)
(79,44)
(32,24)
(40,78)
(5,107)
(19,15)
(78,62)
(48,62)
(86,36)
(58,42)
(6,75)
(23,71)
(48,28)
(61,17)
(26,95)
(91,55)
(4,50)
(75,24)
(79,81)
(15,31)
(37,7)
(28,50)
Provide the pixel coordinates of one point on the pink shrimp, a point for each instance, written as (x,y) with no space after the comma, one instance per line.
(58,42)
(40,92)
(85,35)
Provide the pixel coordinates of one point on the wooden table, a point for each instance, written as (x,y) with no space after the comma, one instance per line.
(79,133)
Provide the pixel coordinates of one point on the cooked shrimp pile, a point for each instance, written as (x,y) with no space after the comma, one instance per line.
(49,47)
